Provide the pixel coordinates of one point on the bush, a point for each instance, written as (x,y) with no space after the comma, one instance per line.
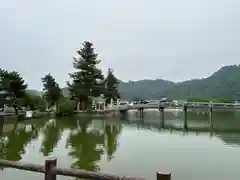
(66,108)
(42,108)
(39,114)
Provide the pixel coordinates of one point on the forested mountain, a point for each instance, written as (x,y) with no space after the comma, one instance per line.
(34,92)
(225,83)
(144,89)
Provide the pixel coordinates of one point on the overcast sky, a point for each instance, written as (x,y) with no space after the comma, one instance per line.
(139,39)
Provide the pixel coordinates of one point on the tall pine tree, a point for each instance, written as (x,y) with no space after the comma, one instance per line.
(111,87)
(52,91)
(87,81)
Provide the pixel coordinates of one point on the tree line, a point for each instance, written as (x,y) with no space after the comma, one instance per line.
(85,83)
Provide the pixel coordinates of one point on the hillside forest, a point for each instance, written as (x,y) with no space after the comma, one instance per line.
(222,84)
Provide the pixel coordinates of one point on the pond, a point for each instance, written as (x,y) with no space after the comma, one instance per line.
(130,147)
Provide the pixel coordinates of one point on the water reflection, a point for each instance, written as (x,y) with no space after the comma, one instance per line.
(89,141)
(112,131)
(51,135)
(86,146)
(13,142)
(230,138)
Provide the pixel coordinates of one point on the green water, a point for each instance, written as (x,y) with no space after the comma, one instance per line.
(126,147)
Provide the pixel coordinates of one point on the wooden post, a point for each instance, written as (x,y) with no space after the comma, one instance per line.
(49,165)
(185,124)
(163,176)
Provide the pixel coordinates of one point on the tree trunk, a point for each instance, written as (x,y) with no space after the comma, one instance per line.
(14,103)
(57,106)
(82,105)
(89,105)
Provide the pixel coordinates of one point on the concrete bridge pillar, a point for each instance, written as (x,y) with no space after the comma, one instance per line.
(161,110)
(141,112)
(210,115)
(185,123)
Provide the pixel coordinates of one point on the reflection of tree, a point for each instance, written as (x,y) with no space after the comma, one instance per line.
(52,134)
(1,126)
(87,146)
(230,138)
(68,123)
(112,131)
(13,145)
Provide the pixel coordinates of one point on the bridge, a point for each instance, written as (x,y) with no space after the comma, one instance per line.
(188,105)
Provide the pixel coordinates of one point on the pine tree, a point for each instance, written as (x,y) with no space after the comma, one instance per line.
(52,92)
(87,81)
(111,86)
(14,85)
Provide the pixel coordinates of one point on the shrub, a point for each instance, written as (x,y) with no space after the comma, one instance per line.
(66,108)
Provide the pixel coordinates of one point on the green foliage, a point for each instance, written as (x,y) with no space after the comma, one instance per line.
(111,87)
(52,92)
(33,102)
(88,79)
(14,85)
(66,107)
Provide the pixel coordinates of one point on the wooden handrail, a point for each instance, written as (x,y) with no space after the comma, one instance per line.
(22,166)
(51,171)
(90,175)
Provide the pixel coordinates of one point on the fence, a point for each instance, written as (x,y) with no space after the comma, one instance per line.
(51,171)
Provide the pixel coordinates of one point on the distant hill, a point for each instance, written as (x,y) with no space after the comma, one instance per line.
(144,89)
(34,92)
(225,83)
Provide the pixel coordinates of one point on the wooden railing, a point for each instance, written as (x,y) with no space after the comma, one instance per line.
(51,171)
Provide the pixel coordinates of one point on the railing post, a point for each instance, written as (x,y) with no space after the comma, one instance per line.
(163,176)
(49,165)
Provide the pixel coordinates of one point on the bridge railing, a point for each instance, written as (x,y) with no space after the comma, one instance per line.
(51,171)
(144,106)
(170,104)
